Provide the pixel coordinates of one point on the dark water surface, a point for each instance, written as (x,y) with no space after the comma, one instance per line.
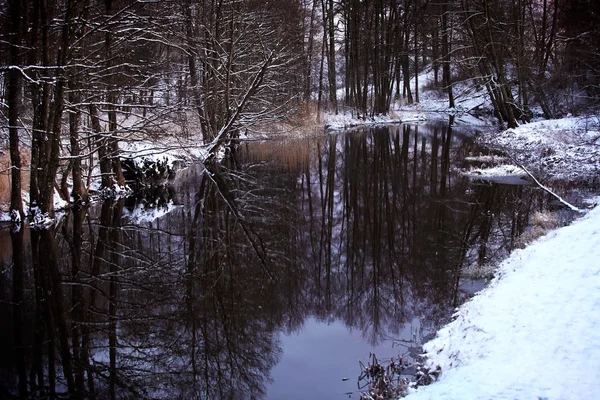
(272,277)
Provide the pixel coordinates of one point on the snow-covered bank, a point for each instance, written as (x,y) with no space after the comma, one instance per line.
(566,148)
(432,105)
(168,153)
(534,333)
(343,121)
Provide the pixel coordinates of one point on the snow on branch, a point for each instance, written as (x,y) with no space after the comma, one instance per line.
(545,188)
(224,131)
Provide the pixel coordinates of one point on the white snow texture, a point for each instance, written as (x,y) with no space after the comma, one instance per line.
(534,333)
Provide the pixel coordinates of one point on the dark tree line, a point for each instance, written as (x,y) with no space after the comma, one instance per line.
(80,76)
(525,54)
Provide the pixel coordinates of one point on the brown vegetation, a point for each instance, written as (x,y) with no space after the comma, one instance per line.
(5,180)
(541,224)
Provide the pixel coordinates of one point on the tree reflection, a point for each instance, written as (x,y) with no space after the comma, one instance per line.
(371,228)
(388,226)
(16,237)
(177,309)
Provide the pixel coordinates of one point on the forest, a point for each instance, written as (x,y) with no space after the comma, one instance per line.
(193,305)
(74,69)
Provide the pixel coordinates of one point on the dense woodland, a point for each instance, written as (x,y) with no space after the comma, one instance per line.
(73,69)
(184,307)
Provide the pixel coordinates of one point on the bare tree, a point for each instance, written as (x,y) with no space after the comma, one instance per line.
(13,103)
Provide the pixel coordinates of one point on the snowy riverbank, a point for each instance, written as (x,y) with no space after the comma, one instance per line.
(565,149)
(534,333)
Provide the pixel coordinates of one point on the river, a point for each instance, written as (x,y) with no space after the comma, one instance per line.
(271,277)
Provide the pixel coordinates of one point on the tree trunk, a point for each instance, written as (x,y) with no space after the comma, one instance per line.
(101,144)
(320,92)
(79,191)
(14,100)
(191,59)
(407,93)
(112,98)
(331,69)
(309,53)
(435,50)
(416,63)
(446,74)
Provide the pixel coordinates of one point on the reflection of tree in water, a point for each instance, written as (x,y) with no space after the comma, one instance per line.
(388,225)
(370,228)
(371,201)
(173,310)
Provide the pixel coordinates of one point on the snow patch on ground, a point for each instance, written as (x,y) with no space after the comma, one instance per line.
(342,121)
(41,220)
(534,333)
(566,148)
(38,220)
(472,106)
(505,173)
(486,159)
(168,154)
(470,99)
(168,150)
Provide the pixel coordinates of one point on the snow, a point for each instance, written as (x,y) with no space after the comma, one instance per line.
(489,159)
(566,148)
(40,220)
(168,152)
(534,333)
(140,151)
(343,121)
(15,217)
(468,98)
(148,213)
(563,149)
(433,104)
(59,203)
(506,173)
(5,216)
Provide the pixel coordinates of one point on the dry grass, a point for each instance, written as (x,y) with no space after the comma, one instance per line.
(291,154)
(5,180)
(541,224)
(476,271)
(546,220)
(301,123)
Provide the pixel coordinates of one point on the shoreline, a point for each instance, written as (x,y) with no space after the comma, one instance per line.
(528,141)
(533,331)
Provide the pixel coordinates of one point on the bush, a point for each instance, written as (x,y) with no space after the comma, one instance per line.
(383,382)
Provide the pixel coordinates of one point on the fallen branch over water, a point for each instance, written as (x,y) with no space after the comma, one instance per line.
(545,188)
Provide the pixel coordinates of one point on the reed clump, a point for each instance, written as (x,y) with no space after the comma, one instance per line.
(542,222)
